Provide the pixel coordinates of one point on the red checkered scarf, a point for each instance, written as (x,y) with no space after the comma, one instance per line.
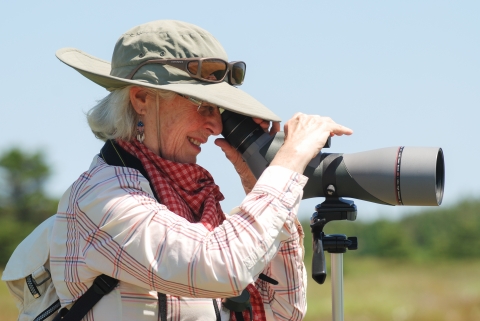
(189,191)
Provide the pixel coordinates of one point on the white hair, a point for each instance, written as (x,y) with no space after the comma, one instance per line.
(114,117)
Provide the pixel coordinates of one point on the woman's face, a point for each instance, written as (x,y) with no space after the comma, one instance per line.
(183,129)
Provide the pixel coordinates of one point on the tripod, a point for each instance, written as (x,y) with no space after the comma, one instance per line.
(332,209)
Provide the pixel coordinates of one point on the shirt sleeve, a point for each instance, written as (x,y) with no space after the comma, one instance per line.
(108,222)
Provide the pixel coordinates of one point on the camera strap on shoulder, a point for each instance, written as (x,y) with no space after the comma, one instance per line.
(102,285)
(114,155)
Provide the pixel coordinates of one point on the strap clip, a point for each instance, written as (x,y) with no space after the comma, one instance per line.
(39,272)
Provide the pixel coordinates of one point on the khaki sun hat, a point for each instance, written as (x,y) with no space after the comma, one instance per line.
(160,40)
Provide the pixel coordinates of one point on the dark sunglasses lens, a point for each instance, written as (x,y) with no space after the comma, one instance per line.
(213,69)
(238,73)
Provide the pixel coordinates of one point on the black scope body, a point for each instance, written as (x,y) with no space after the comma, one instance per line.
(399,175)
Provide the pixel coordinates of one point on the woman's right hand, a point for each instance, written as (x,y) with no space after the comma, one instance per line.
(305,136)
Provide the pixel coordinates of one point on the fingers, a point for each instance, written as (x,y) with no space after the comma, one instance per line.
(342,130)
(335,129)
(231,153)
(310,132)
(263,123)
(300,120)
(246,176)
(275,126)
(305,136)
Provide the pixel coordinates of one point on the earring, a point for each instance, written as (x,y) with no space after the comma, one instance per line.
(140,132)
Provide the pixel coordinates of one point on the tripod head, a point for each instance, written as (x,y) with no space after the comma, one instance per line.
(332,209)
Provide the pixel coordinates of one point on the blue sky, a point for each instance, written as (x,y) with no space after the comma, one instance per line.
(397,73)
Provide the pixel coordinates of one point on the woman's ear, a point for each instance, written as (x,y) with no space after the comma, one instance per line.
(138,98)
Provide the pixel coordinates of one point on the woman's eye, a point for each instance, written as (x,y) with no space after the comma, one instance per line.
(207,110)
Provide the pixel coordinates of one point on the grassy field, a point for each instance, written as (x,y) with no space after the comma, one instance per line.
(8,309)
(377,290)
(380,290)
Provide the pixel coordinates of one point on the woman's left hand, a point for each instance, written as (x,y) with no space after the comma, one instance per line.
(265,124)
(246,175)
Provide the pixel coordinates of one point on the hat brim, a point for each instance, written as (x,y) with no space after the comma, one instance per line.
(221,94)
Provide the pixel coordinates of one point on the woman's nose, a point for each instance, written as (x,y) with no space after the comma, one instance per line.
(214,124)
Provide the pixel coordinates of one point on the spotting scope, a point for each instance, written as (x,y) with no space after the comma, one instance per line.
(399,175)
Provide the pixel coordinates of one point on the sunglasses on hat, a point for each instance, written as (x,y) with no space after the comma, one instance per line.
(212,70)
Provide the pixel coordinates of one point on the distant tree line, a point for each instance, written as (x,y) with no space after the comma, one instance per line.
(23,201)
(441,233)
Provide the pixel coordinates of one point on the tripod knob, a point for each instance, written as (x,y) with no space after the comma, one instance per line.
(354,243)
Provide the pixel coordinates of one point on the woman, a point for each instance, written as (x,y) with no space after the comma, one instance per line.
(147,215)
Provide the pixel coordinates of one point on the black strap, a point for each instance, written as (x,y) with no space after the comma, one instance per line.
(239,316)
(162,306)
(115,155)
(217,310)
(268,279)
(102,285)
(112,154)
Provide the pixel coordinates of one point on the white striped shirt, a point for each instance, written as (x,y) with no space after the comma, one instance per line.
(108,222)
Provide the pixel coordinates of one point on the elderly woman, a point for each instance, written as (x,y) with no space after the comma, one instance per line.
(145,214)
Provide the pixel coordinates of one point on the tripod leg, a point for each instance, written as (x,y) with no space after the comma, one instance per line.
(337,286)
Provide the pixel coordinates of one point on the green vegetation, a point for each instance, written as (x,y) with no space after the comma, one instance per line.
(444,232)
(388,289)
(23,201)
